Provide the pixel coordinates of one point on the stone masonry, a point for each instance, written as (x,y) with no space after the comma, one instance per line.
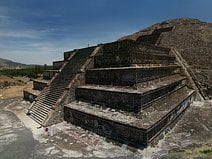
(128,90)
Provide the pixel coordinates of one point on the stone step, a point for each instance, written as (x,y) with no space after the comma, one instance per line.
(124,98)
(49,98)
(36,116)
(59,82)
(39,112)
(41,104)
(119,47)
(128,59)
(128,75)
(55,90)
(43,108)
(45,103)
(63,78)
(151,83)
(50,95)
(136,130)
(39,121)
(49,103)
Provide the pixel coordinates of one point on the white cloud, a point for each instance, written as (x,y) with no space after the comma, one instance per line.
(34,52)
(20,34)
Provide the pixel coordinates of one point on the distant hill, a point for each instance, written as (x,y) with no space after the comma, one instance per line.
(192,38)
(8,64)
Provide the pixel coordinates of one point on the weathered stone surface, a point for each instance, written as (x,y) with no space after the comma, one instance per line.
(57,64)
(39,84)
(128,76)
(125,98)
(48,108)
(192,38)
(140,81)
(128,59)
(30,94)
(48,74)
(128,128)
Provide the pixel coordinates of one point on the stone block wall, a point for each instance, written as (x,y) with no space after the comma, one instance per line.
(107,128)
(118,46)
(129,101)
(47,75)
(38,85)
(170,117)
(119,100)
(136,135)
(67,54)
(127,76)
(29,96)
(57,64)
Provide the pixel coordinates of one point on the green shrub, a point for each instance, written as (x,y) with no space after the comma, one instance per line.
(31,72)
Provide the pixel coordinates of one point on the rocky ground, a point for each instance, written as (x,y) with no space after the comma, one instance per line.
(21,137)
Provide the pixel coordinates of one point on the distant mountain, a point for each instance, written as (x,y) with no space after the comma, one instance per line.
(8,64)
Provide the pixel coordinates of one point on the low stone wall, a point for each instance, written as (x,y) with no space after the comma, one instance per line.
(127,59)
(87,49)
(47,75)
(118,46)
(39,85)
(29,96)
(153,38)
(57,64)
(67,54)
(150,39)
(148,48)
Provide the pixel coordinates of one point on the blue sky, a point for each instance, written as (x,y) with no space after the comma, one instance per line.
(39,31)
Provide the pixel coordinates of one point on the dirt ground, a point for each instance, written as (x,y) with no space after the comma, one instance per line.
(13,87)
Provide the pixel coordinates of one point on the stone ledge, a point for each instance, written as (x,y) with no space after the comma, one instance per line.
(128,76)
(30,94)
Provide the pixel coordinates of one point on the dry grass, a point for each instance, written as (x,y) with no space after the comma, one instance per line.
(13,87)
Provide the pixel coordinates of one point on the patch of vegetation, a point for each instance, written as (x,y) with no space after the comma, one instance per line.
(206,152)
(32,72)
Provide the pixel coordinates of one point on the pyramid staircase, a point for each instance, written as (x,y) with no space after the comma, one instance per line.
(134,91)
(52,95)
